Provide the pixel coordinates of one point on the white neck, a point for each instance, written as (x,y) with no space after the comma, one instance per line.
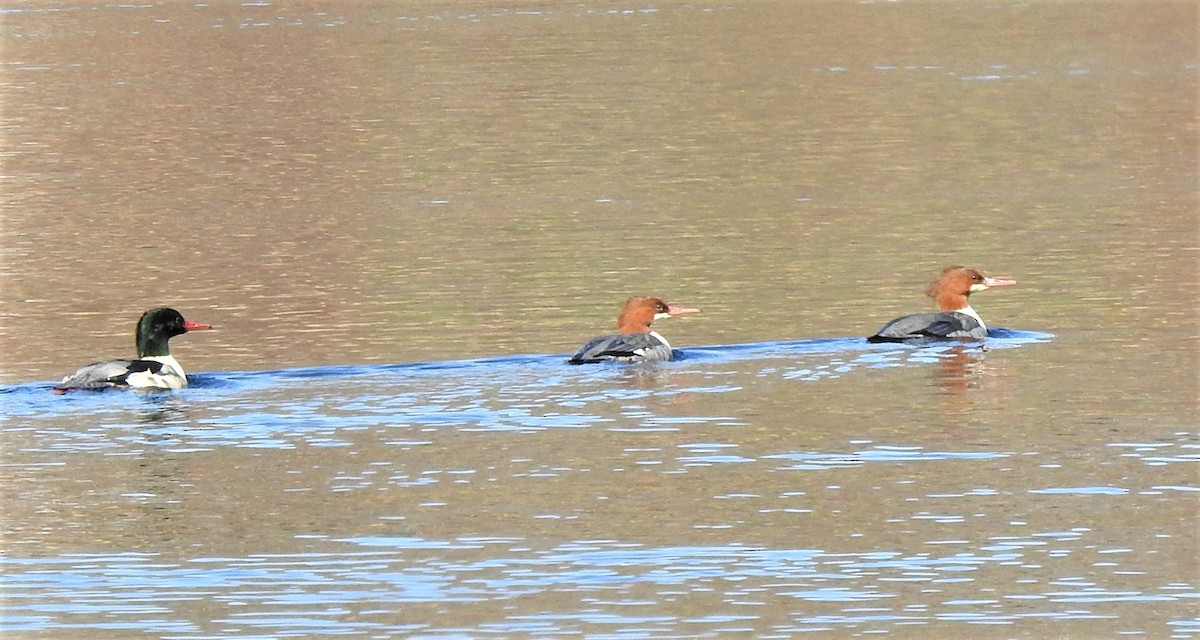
(661,339)
(968,311)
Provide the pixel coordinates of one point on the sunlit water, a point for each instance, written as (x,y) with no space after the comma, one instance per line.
(368,427)
(401,216)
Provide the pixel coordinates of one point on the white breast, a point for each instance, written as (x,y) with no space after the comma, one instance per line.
(171,376)
(968,311)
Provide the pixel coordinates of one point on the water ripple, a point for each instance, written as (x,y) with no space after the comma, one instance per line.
(318,405)
(311,594)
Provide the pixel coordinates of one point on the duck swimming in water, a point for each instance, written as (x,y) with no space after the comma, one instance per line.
(634,341)
(154,368)
(956,318)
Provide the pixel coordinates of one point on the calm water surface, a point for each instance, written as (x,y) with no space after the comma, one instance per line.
(403,216)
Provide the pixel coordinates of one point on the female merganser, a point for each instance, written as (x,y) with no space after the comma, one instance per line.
(155,368)
(635,342)
(955,320)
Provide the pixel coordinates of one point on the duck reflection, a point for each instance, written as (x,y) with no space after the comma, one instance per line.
(646,376)
(963,378)
(960,368)
(164,409)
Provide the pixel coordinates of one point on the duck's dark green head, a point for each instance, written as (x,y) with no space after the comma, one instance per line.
(157,326)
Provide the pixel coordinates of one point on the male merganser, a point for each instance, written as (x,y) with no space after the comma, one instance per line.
(635,342)
(955,320)
(155,368)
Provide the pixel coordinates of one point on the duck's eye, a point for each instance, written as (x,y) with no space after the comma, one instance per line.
(662,308)
(976,277)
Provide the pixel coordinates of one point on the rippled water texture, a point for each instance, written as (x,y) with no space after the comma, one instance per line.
(403,216)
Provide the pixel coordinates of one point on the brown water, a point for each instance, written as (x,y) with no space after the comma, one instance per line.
(339,184)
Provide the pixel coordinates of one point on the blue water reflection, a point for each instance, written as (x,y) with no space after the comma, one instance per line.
(325,406)
(361,583)
(450,393)
(362,587)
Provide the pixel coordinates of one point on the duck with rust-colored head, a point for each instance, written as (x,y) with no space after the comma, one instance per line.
(634,341)
(955,318)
